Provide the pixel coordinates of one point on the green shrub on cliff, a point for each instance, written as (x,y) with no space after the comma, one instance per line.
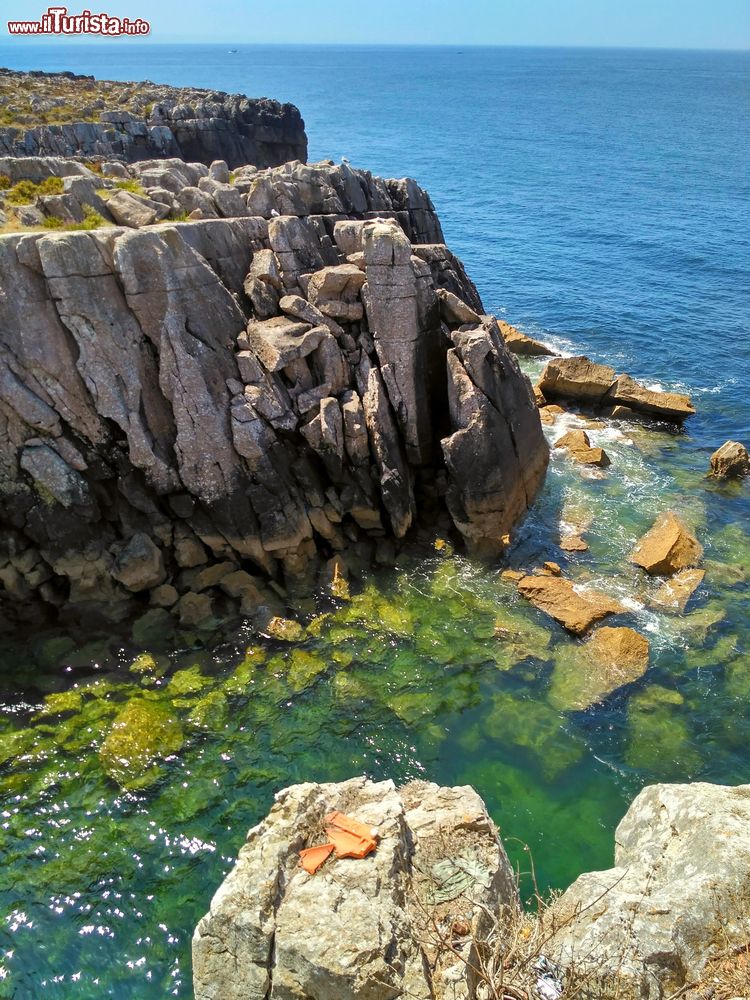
(4,182)
(130,185)
(26,192)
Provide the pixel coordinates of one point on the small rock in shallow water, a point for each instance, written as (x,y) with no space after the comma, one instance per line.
(578,446)
(576,611)
(731,461)
(668,546)
(610,659)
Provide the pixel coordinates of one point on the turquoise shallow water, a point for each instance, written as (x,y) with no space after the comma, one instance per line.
(599,200)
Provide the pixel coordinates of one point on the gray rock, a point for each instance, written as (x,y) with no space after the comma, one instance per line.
(678,896)
(134,210)
(279,341)
(355,928)
(140,564)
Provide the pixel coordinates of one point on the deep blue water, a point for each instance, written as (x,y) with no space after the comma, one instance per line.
(597,197)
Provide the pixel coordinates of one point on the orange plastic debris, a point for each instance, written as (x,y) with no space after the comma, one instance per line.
(347,836)
(351,838)
(313,857)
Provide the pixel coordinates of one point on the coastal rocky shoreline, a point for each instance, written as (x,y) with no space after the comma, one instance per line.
(232,383)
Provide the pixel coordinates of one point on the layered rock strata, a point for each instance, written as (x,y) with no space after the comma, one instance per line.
(138,121)
(257,393)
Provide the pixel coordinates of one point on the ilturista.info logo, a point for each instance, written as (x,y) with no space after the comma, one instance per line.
(57,21)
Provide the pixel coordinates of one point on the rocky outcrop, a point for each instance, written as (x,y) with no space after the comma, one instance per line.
(597,385)
(357,927)
(731,461)
(667,547)
(574,608)
(143,121)
(256,392)
(678,896)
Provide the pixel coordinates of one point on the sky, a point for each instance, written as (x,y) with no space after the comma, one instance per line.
(712,24)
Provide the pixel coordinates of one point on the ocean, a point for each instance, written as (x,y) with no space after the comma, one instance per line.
(600,200)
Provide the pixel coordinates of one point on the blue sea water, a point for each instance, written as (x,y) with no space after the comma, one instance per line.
(599,198)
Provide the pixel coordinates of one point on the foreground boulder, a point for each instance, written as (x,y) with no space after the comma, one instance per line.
(667,547)
(731,461)
(597,385)
(357,927)
(576,610)
(678,896)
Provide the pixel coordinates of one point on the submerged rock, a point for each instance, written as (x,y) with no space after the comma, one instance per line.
(144,733)
(587,674)
(676,592)
(357,927)
(678,896)
(576,610)
(731,461)
(668,546)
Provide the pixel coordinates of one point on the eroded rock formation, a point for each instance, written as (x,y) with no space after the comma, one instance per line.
(258,391)
(72,115)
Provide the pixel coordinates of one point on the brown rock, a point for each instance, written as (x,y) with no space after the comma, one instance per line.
(667,547)
(552,568)
(512,574)
(676,592)
(576,378)
(611,658)
(578,446)
(731,461)
(549,413)
(521,343)
(558,598)
(667,405)
(573,543)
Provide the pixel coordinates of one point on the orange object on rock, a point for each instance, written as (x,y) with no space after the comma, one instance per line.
(313,857)
(347,836)
(351,838)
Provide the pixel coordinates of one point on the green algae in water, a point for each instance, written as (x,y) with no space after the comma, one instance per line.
(434,669)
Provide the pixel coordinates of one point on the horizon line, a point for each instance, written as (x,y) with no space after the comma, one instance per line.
(132,42)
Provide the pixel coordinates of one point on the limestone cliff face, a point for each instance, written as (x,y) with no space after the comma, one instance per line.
(144,121)
(259,392)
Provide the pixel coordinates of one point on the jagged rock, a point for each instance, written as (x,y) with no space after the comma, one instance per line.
(278,341)
(576,610)
(576,378)
(578,446)
(149,385)
(134,210)
(668,405)
(496,421)
(521,344)
(573,543)
(668,546)
(335,292)
(355,928)
(731,461)
(199,125)
(677,591)
(140,564)
(678,896)
(583,380)
(607,661)
(454,311)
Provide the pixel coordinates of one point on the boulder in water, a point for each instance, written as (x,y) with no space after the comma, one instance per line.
(575,610)
(578,446)
(668,546)
(731,461)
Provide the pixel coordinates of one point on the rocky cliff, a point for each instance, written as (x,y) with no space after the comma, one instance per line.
(68,115)
(257,393)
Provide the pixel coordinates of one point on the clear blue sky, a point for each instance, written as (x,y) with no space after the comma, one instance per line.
(660,23)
